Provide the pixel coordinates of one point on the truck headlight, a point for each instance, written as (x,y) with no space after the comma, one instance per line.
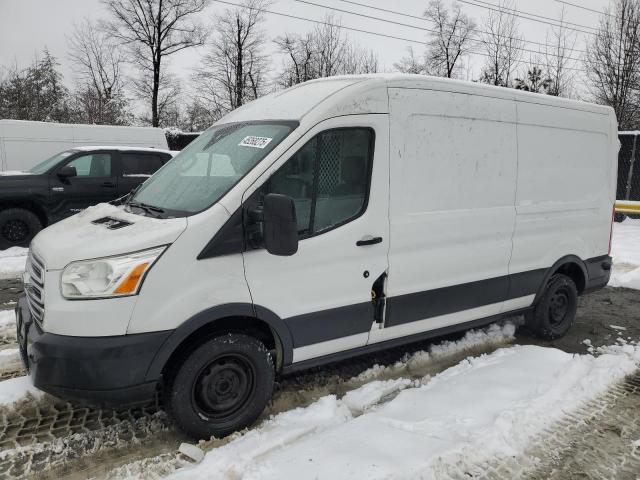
(108,277)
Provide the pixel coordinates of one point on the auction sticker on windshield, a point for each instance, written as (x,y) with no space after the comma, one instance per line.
(255,142)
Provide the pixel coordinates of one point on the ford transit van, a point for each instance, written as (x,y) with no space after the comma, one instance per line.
(334,218)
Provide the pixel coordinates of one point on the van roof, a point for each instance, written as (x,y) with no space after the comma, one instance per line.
(354,94)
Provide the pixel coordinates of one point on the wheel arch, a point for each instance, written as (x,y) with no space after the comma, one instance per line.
(256,321)
(570,265)
(26,204)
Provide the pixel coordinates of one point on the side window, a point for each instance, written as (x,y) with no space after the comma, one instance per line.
(93,165)
(328,179)
(140,164)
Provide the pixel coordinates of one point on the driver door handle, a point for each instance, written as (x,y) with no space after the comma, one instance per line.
(108,184)
(369,241)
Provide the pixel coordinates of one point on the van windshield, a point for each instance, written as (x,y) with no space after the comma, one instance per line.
(49,163)
(209,167)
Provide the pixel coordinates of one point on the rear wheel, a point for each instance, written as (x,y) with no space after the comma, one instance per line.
(18,226)
(222,386)
(556,310)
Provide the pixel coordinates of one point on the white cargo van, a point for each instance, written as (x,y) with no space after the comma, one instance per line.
(337,217)
(24,144)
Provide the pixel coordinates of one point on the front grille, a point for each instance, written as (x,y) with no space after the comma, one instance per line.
(35,287)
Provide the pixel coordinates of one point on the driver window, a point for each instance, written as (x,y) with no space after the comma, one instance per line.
(93,165)
(328,179)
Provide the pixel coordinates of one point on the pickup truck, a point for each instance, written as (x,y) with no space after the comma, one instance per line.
(67,183)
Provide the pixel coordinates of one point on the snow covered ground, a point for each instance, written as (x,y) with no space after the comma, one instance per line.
(482,408)
(625,249)
(12,262)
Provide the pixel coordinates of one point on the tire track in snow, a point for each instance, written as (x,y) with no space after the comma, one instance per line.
(600,440)
(37,436)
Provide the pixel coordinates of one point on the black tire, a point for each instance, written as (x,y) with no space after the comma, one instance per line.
(555,312)
(220,387)
(18,226)
(619,217)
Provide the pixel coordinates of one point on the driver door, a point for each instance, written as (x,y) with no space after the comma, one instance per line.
(338,176)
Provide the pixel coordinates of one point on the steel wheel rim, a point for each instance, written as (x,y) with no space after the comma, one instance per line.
(558,307)
(223,387)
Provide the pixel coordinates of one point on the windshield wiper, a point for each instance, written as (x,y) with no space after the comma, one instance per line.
(146,208)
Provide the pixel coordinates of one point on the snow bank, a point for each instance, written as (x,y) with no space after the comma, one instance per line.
(625,249)
(12,262)
(16,389)
(484,407)
(7,318)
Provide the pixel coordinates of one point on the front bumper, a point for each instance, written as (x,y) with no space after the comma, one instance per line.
(97,370)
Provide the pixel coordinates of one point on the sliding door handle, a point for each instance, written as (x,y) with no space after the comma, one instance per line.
(369,241)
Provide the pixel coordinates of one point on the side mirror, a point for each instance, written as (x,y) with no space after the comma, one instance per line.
(280,228)
(67,171)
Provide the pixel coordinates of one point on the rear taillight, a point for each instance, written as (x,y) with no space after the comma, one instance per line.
(613,216)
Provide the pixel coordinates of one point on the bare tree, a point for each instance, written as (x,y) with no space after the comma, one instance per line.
(503,45)
(98,64)
(153,30)
(168,96)
(411,64)
(559,46)
(324,52)
(613,61)
(451,40)
(359,60)
(299,54)
(233,71)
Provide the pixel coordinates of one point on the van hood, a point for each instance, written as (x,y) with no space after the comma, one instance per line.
(102,231)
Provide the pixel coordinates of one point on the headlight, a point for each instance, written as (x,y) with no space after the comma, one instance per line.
(108,277)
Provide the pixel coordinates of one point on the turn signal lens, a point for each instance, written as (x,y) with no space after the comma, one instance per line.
(131,281)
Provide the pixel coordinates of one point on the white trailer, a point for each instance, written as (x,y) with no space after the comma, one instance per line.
(24,144)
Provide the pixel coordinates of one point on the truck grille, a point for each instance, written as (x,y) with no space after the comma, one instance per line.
(35,288)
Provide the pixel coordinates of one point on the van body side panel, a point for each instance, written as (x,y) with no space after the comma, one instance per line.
(563,200)
(453,174)
(180,287)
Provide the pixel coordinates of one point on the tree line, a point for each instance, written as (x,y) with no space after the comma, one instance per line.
(127,55)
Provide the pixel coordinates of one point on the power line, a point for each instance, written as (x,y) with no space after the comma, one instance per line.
(599,12)
(489,4)
(425,29)
(403,14)
(353,29)
(520,15)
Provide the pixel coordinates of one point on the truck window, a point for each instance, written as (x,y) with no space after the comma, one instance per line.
(92,165)
(328,179)
(140,164)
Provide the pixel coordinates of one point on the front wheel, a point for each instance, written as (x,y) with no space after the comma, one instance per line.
(18,226)
(556,310)
(221,387)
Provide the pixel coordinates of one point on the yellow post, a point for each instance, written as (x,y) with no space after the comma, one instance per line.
(628,207)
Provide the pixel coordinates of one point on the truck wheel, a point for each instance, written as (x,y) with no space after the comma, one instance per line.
(221,387)
(556,310)
(18,227)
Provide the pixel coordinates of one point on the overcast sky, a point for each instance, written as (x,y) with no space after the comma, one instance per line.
(27,26)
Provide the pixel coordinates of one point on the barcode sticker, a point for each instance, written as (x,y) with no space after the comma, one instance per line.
(255,142)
